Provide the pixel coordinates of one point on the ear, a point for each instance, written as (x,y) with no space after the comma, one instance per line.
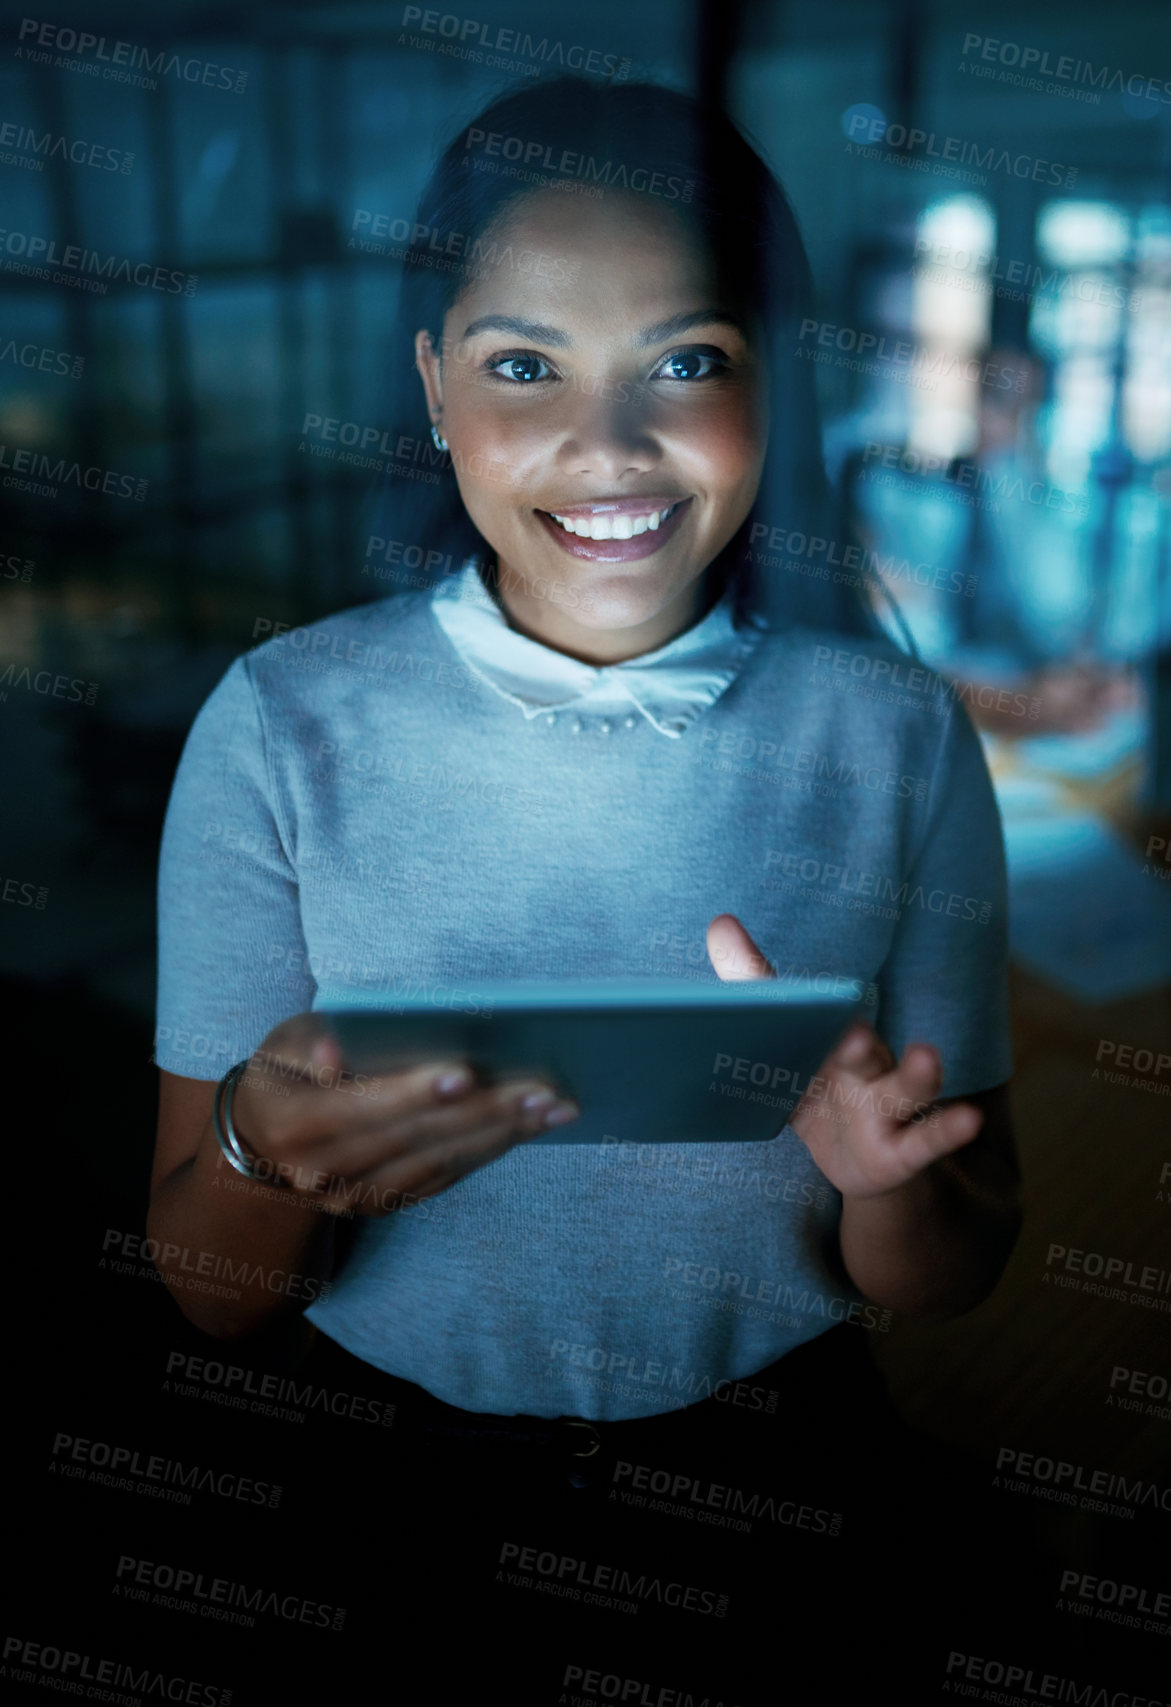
(427,362)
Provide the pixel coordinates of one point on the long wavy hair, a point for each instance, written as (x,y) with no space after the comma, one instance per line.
(583,136)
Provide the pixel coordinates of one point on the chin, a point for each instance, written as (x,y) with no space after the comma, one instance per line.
(612,598)
(609,612)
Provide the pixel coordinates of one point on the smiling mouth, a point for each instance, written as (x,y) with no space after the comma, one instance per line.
(613,526)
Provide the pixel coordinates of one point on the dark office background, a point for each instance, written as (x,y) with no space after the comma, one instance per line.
(233,518)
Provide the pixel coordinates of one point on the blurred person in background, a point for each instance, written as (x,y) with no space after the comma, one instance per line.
(1001,617)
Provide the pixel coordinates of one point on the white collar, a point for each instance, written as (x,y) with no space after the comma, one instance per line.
(670,687)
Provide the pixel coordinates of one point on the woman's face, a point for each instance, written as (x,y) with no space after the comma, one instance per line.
(591,373)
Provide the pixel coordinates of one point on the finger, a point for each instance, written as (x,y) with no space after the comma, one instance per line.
(435,1165)
(733,953)
(861,1054)
(436,1128)
(915,1082)
(525,1104)
(331,1102)
(918,1146)
(861,1058)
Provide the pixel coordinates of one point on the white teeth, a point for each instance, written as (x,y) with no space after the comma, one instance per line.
(611,526)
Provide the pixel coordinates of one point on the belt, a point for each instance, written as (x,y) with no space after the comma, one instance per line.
(566,1443)
(574,1436)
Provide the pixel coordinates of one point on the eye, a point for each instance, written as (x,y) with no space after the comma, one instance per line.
(520,368)
(693,364)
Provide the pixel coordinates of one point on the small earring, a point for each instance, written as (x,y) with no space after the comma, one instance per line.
(437,438)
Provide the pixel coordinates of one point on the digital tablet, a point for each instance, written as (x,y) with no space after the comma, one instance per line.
(649,1061)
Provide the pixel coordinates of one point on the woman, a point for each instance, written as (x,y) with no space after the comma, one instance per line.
(622,736)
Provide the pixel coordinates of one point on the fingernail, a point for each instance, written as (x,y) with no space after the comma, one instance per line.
(561,1113)
(537,1099)
(455,1079)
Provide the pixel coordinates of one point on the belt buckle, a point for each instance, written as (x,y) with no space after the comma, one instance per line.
(595,1442)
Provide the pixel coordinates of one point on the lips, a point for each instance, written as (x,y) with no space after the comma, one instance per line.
(614,530)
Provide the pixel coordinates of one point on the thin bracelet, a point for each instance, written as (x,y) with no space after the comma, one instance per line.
(221,1117)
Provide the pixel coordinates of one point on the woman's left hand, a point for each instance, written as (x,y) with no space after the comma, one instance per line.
(868,1120)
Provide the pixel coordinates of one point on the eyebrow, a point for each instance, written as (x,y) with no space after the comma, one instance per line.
(538,333)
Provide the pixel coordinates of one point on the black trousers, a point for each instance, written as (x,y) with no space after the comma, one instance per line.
(794,1534)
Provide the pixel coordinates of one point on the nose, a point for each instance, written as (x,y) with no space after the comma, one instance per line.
(607,434)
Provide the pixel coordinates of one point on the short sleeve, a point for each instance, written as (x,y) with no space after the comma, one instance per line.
(945,978)
(232,961)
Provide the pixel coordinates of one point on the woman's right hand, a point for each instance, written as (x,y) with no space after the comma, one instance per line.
(367,1144)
